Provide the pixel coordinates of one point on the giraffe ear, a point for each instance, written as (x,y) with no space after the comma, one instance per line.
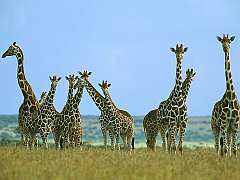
(100,84)
(50,78)
(232,38)
(173,50)
(14,43)
(80,73)
(66,77)
(76,78)
(109,85)
(185,49)
(219,38)
(59,78)
(89,73)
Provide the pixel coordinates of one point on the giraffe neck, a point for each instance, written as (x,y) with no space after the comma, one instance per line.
(111,107)
(178,85)
(185,87)
(98,99)
(50,96)
(77,97)
(22,81)
(69,102)
(228,73)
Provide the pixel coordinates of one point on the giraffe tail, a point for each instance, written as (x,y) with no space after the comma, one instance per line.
(132,143)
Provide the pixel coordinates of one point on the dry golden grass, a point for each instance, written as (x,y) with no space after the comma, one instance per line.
(98,163)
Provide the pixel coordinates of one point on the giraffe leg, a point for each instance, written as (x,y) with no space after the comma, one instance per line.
(173,138)
(124,139)
(129,142)
(111,134)
(224,139)
(162,132)
(229,141)
(44,139)
(234,142)
(118,141)
(183,127)
(216,131)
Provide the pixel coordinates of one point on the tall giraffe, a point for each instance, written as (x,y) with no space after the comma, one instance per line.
(100,102)
(119,123)
(69,123)
(30,103)
(226,112)
(172,114)
(40,121)
(150,123)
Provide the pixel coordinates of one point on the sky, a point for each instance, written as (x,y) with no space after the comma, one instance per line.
(124,42)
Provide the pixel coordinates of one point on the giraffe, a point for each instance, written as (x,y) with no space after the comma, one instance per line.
(30,103)
(76,100)
(119,123)
(150,123)
(69,123)
(172,113)
(226,112)
(40,121)
(100,102)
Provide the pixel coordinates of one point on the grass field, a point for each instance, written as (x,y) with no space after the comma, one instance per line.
(98,163)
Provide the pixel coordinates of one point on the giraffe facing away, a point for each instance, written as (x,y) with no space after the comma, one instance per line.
(119,123)
(100,102)
(40,121)
(226,112)
(172,113)
(150,123)
(30,103)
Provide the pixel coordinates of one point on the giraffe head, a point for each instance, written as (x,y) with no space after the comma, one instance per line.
(84,75)
(71,79)
(83,78)
(54,80)
(12,50)
(226,41)
(179,51)
(104,86)
(190,74)
(43,97)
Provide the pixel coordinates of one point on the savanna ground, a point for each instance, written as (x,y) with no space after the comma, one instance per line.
(95,162)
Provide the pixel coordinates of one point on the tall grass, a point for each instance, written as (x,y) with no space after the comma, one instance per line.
(98,163)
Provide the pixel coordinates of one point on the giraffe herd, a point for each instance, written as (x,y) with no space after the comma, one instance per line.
(170,118)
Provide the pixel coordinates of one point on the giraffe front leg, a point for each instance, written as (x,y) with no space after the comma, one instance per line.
(118,141)
(44,139)
(124,139)
(229,142)
(234,143)
(111,134)
(172,132)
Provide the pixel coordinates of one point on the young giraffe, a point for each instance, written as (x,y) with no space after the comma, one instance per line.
(69,123)
(30,103)
(150,123)
(100,102)
(40,121)
(226,112)
(119,123)
(42,97)
(172,114)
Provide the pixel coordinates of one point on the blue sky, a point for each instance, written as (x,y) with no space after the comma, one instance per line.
(124,42)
